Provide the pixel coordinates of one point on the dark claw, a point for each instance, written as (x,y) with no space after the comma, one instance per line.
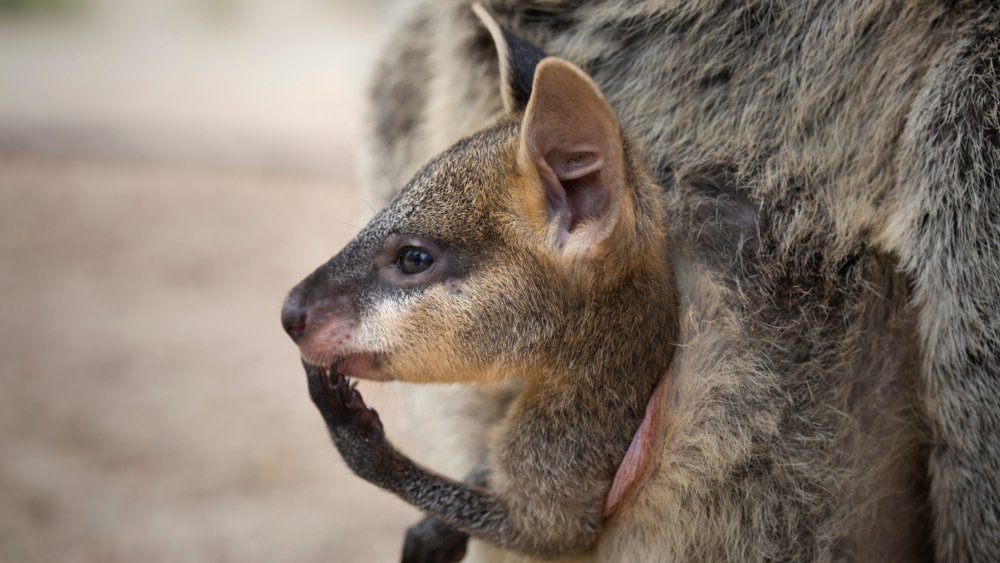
(337,398)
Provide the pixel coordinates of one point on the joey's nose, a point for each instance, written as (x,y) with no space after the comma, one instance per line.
(293,318)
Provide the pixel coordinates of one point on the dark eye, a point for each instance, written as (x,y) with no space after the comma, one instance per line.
(412,260)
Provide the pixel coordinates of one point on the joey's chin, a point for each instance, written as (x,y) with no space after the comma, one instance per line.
(357,366)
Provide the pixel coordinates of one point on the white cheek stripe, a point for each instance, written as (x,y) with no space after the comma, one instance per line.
(377,330)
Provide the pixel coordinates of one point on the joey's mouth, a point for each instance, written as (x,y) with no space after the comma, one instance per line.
(329,335)
(358,366)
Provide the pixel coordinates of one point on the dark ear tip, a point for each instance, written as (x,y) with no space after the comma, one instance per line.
(523,58)
(517,57)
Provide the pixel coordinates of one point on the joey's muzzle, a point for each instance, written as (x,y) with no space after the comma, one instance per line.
(293,319)
(303,317)
(324,328)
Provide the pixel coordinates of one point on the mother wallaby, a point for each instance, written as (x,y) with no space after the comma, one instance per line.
(832,174)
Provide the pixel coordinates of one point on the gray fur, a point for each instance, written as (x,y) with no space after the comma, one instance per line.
(832,175)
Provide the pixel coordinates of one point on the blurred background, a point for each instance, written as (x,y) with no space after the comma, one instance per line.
(168,170)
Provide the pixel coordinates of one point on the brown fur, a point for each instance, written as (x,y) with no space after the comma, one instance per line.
(575,299)
(831,173)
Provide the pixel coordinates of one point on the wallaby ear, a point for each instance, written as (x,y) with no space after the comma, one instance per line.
(571,140)
(518,59)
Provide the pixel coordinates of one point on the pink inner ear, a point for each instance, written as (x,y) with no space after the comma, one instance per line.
(574,188)
(574,165)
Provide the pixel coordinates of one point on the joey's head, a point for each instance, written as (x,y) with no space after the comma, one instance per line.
(489,261)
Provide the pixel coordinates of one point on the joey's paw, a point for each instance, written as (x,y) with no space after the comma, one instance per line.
(433,541)
(338,401)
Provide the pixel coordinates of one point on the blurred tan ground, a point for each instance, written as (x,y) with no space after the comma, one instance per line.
(151,409)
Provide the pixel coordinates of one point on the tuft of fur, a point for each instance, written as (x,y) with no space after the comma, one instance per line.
(832,172)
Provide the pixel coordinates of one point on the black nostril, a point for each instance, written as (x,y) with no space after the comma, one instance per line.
(294,320)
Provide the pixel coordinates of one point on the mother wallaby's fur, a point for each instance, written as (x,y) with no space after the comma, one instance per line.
(832,171)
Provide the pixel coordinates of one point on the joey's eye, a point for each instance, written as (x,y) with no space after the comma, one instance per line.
(412,260)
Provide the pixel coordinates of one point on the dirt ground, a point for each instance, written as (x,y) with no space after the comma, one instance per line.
(151,408)
(168,171)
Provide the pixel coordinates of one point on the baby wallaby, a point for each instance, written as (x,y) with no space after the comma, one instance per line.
(534,249)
